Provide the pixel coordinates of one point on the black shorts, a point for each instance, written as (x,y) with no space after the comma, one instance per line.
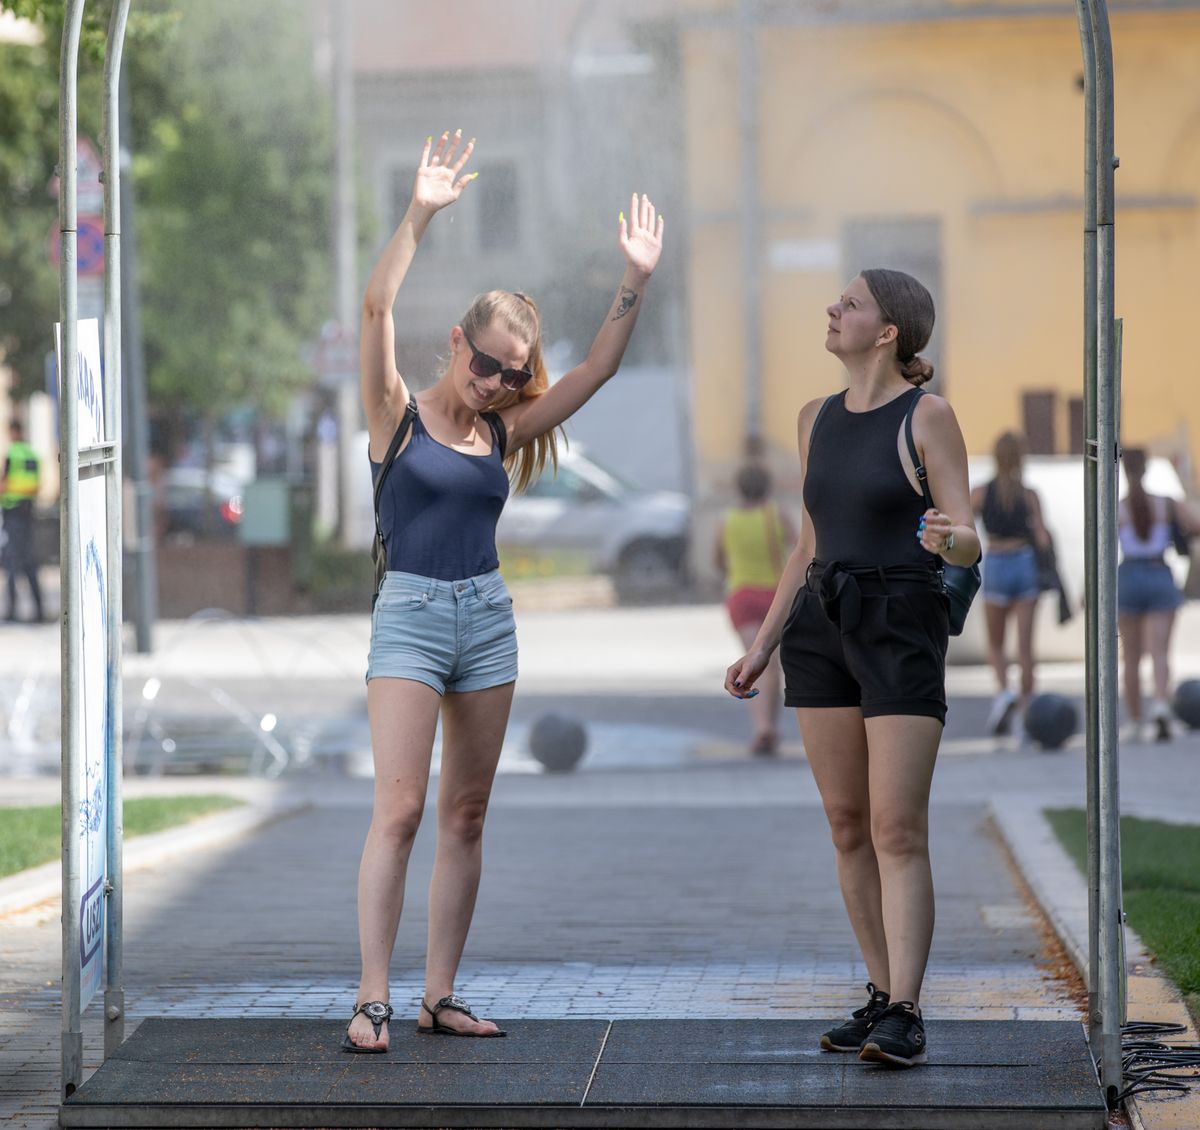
(891,660)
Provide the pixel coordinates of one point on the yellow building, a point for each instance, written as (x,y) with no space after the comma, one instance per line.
(945,138)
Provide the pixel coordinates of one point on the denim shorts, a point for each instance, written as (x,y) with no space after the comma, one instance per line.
(1010,577)
(1145,584)
(451,635)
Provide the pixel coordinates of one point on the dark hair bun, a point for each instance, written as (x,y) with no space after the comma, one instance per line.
(917,370)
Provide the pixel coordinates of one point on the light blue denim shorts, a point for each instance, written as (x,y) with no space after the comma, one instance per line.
(1145,584)
(1010,577)
(451,635)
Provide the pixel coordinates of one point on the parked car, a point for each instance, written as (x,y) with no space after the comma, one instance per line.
(587,512)
(202,504)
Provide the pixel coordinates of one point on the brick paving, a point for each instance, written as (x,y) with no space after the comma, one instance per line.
(603,897)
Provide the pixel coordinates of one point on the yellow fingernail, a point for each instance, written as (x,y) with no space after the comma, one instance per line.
(471,142)
(457,133)
(621,216)
(429,140)
(474,175)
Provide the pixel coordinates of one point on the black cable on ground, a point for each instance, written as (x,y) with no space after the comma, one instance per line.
(1149,1064)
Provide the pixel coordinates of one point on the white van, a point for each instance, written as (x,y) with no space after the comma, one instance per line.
(1058,480)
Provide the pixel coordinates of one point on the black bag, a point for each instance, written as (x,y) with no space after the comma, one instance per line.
(1050,579)
(960,583)
(1179,538)
(378,548)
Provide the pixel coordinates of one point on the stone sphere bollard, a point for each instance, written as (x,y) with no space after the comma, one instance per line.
(1187,703)
(558,743)
(1050,719)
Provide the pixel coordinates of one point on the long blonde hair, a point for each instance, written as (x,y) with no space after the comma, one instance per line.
(518,314)
(1010,463)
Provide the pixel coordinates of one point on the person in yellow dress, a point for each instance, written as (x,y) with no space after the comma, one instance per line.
(750,553)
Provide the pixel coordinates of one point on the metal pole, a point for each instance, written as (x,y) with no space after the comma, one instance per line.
(345,245)
(135,434)
(1091,705)
(72,1033)
(1111,971)
(114,991)
(751,225)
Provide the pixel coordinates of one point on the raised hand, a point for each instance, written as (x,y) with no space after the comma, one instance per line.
(640,236)
(438,182)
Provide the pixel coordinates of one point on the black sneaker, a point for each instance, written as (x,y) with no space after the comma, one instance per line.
(898,1037)
(849,1035)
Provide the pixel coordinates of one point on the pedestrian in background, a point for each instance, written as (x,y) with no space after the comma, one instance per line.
(862,623)
(751,546)
(18,492)
(1147,596)
(1011,514)
(443,640)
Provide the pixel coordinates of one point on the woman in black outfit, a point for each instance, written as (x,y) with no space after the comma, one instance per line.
(862,626)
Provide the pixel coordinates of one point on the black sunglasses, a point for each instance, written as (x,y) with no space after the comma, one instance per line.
(484,365)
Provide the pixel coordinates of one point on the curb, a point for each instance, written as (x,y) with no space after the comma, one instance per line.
(1061,893)
(37,885)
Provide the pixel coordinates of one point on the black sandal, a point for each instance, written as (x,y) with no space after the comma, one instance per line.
(378,1013)
(453,1004)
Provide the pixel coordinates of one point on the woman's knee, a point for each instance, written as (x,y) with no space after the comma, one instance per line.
(849,827)
(462,819)
(900,835)
(396,820)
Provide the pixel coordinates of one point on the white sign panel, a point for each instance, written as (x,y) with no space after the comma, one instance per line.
(91,822)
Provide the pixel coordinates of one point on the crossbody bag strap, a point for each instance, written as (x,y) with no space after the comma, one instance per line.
(499,431)
(402,430)
(922,474)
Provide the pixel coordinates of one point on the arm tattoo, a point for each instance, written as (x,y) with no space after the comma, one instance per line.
(625,301)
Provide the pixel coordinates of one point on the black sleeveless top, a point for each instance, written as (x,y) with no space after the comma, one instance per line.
(439,507)
(863,507)
(1002,521)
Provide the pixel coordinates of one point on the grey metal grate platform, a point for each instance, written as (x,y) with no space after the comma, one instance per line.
(986,1075)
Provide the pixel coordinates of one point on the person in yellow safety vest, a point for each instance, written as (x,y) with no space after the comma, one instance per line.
(18,490)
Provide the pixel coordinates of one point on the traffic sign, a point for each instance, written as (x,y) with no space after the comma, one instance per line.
(89,181)
(89,245)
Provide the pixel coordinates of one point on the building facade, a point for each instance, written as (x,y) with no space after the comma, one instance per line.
(943,138)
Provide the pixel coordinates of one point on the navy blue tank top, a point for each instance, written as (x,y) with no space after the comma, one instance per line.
(862,505)
(439,507)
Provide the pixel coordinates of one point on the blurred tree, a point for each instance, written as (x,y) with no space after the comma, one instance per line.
(232,157)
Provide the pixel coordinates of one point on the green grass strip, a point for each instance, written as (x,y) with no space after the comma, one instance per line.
(1160,866)
(30,836)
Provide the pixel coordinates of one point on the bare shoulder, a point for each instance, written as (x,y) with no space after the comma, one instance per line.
(935,410)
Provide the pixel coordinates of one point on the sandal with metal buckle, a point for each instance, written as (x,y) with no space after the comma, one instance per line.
(378,1013)
(453,1004)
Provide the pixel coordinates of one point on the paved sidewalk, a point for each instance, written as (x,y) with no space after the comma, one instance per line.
(655,881)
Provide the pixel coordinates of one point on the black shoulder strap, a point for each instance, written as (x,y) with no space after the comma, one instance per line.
(922,475)
(401,431)
(499,431)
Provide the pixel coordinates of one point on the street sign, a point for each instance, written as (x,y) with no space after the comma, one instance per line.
(89,245)
(89,195)
(334,356)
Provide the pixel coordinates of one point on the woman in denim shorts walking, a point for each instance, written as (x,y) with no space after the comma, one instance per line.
(862,626)
(442,633)
(1012,516)
(1147,596)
